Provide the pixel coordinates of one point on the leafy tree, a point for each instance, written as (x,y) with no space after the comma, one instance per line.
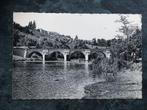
(94,41)
(101,42)
(108,43)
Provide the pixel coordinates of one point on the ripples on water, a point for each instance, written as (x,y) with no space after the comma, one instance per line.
(53,80)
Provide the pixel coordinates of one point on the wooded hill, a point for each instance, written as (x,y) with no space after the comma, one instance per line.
(39,38)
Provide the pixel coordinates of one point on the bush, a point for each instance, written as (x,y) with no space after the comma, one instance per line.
(103,67)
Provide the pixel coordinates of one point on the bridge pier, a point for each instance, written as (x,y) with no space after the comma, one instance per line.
(43,55)
(86,57)
(43,60)
(86,53)
(25,54)
(65,55)
(108,54)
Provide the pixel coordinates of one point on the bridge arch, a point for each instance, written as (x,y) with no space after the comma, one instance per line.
(80,53)
(60,54)
(96,54)
(35,52)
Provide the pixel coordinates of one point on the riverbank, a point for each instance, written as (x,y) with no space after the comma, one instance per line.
(128,84)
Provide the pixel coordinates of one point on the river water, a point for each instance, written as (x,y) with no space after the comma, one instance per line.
(52,80)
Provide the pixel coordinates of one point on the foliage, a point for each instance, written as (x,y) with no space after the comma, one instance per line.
(125,50)
(102,42)
(104,67)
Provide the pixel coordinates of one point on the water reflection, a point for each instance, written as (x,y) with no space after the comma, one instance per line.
(43,67)
(65,66)
(86,67)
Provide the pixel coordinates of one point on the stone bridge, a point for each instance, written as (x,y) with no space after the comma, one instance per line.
(27,52)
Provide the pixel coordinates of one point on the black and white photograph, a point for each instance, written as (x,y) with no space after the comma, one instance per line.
(77,56)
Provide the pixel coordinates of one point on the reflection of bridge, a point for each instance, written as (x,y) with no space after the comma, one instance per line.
(27,52)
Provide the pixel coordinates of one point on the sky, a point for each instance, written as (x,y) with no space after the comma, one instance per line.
(85,26)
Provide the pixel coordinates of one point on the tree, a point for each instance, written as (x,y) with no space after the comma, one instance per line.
(108,43)
(94,41)
(125,27)
(76,39)
(76,42)
(32,25)
(127,30)
(101,42)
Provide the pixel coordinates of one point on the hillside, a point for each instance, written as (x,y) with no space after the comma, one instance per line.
(26,36)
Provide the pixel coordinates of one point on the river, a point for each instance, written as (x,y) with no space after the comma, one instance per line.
(52,80)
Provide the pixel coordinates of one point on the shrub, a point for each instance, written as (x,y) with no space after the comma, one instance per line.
(104,67)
